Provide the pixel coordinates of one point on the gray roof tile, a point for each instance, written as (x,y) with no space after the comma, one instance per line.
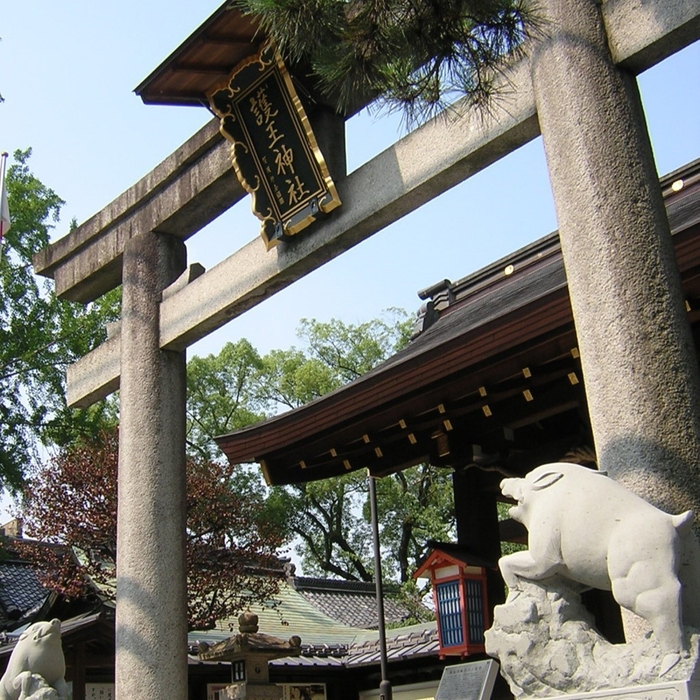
(20,591)
(352,603)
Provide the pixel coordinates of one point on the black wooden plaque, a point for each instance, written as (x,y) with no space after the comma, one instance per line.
(470,681)
(274,150)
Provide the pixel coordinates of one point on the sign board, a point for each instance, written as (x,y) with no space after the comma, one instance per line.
(99,691)
(470,681)
(274,150)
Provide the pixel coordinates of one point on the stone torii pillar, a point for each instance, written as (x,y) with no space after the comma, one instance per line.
(151,634)
(636,348)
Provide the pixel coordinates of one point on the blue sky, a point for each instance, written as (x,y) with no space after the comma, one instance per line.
(67,73)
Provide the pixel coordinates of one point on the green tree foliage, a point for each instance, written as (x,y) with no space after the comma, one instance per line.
(222,395)
(232,518)
(39,335)
(72,500)
(237,387)
(335,353)
(417,55)
(417,505)
(329,519)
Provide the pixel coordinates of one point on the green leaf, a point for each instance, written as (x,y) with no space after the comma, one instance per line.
(39,334)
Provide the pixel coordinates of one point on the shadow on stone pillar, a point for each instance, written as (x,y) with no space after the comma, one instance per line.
(151,634)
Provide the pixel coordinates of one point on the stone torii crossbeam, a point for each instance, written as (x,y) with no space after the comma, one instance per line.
(590,120)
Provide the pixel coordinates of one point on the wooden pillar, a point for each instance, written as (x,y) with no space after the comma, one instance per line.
(329,130)
(151,634)
(476,513)
(79,672)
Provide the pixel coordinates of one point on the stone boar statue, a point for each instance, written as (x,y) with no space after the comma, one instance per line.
(588,528)
(38,654)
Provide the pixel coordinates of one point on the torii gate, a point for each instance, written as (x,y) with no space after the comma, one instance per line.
(605,189)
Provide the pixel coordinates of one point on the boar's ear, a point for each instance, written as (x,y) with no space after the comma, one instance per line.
(547,479)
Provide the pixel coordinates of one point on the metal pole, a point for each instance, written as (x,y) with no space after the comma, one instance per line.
(3,168)
(385,684)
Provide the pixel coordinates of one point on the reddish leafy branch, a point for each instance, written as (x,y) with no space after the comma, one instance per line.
(72,501)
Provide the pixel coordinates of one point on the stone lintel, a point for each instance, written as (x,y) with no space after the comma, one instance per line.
(196,183)
(642,34)
(95,375)
(415,169)
(190,188)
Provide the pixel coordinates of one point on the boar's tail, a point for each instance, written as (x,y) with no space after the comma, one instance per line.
(683,522)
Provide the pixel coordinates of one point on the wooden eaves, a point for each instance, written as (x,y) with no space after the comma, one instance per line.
(93,632)
(207,57)
(496,378)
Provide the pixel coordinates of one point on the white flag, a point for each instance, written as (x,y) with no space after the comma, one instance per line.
(4,207)
(4,212)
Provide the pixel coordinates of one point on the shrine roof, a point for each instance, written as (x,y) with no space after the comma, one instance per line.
(352,603)
(289,614)
(21,592)
(403,644)
(442,553)
(208,56)
(333,619)
(493,369)
(23,597)
(408,643)
(93,630)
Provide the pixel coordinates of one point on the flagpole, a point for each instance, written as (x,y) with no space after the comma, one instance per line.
(3,167)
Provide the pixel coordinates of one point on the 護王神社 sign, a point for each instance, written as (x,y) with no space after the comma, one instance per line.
(274,150)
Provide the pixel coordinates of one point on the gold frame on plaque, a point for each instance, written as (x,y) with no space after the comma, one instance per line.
(273,148)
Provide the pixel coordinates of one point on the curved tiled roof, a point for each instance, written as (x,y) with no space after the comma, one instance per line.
(325,640)
(353,603)
(401,643)
(484,343)
(21,593)
(289,614)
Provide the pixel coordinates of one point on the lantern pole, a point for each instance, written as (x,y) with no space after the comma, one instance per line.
(385,684)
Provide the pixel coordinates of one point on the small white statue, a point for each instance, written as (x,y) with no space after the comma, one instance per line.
(37,666)
(586,527)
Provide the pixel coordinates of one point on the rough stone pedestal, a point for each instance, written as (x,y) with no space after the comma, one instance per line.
(679,690)
(548,646)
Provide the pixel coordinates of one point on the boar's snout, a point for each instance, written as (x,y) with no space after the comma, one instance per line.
(512,488)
